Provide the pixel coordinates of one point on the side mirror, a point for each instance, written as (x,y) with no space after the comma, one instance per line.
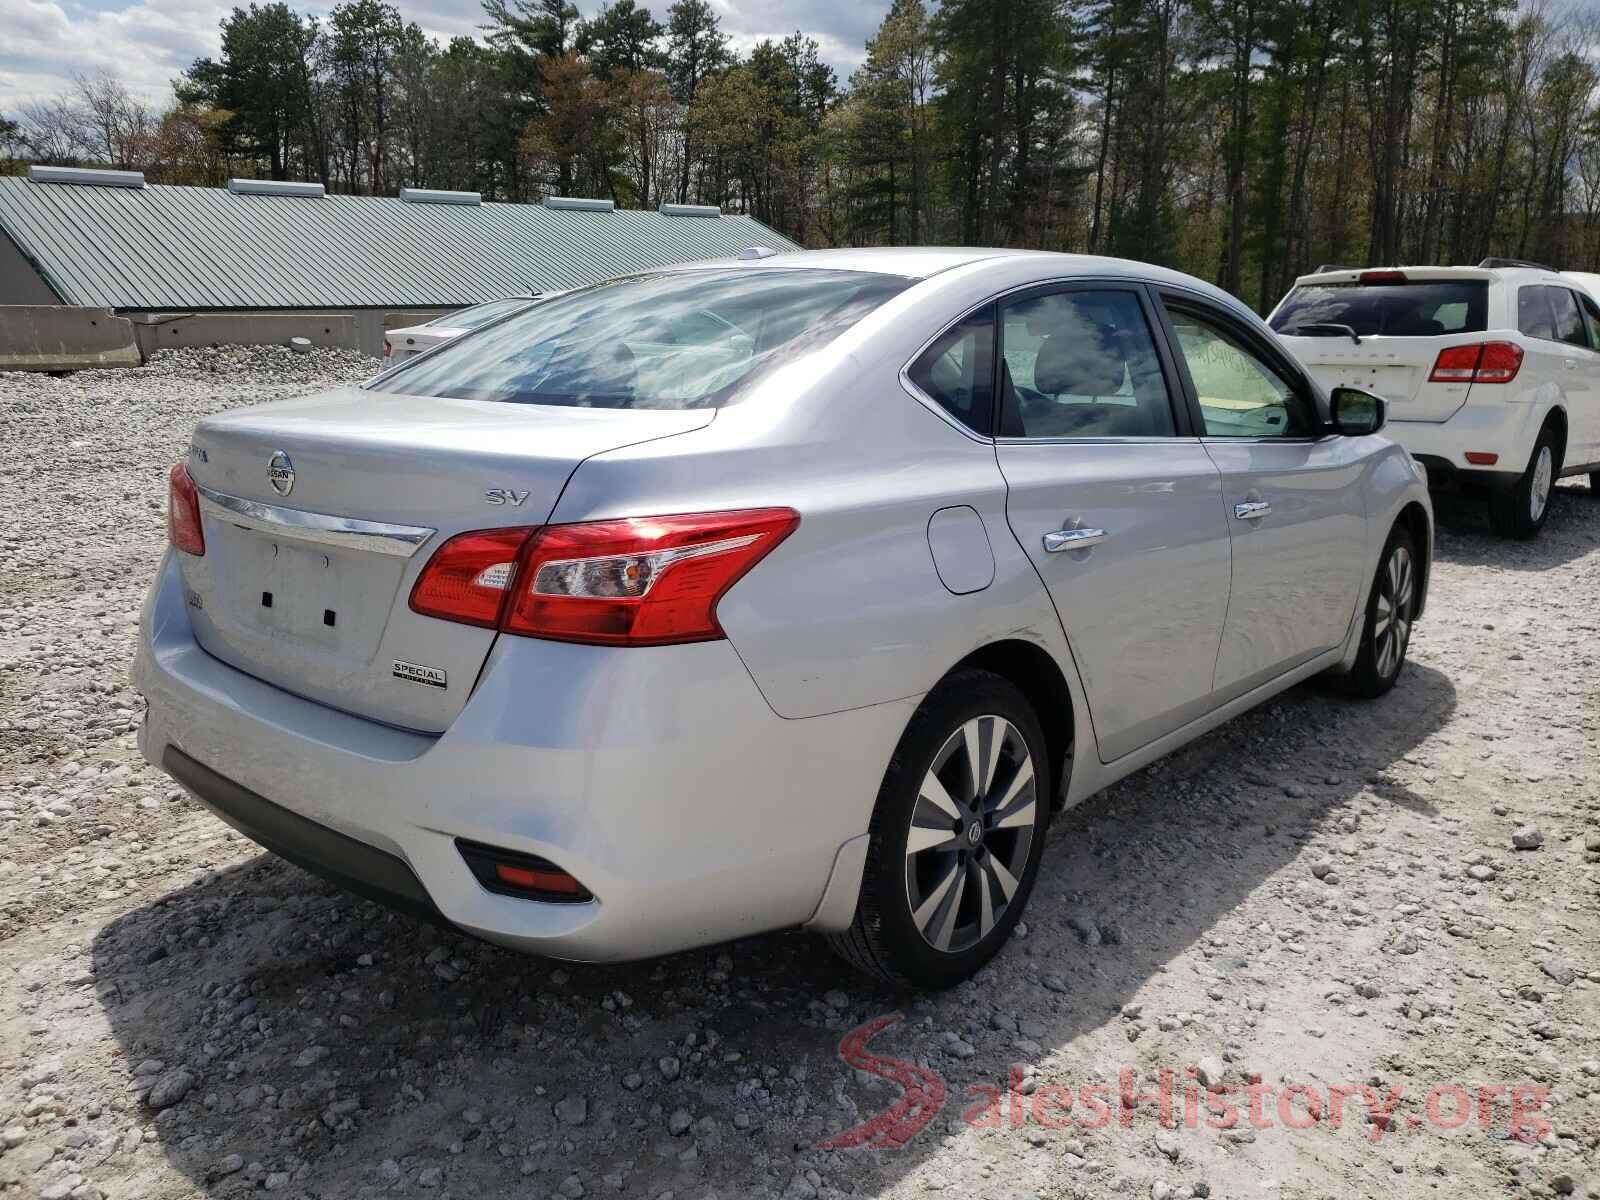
(1357,412)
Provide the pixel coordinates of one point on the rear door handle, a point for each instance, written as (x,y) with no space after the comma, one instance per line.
(1073,539)
(1251,510)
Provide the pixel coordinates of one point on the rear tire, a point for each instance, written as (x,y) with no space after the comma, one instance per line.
(1520,510)
(1594,484)
(1391,610)
(956,836)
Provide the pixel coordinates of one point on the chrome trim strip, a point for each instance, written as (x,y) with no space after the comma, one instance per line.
(377,537)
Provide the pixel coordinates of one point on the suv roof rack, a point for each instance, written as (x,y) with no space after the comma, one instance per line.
(1515,262)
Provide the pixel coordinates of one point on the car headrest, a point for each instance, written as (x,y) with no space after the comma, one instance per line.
(1080,364)
(609,374)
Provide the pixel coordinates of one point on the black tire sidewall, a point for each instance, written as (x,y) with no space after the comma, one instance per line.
(1369,682)
(1516,519)
(885,907)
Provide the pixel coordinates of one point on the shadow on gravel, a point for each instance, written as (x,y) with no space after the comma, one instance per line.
(1464,537)
(338,1050)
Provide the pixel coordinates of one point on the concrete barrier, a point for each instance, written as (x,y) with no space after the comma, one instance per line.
(168,331)
(53,337)
(57,337)
(354,329)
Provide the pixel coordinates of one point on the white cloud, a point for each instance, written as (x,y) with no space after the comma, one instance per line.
(143,44)
(147,43)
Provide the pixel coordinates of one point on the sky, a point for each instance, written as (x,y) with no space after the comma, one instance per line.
(145,43)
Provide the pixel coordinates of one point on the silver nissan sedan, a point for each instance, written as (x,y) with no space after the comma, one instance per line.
(786,591)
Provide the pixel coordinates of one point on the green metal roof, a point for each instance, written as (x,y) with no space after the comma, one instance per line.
(189,248)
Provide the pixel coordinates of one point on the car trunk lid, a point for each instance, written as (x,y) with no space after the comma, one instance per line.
(1396,368)
(320,513)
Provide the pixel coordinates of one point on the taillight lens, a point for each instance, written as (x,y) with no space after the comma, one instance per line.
(1500,362)
(183,512)
(1477,362)
(641,581)
(645,581)
(469,577)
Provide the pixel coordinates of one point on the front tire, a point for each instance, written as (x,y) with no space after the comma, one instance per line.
(1391,610)
(956,836)
(1520,510)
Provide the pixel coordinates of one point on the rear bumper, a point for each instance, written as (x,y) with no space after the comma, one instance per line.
(353,865)
(658,777)
(1506,430)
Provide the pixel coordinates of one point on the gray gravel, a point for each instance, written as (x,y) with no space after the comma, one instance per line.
(1321,893)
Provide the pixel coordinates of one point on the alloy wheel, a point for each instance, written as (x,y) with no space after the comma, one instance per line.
(971,832)
(1544,469)
(1396,606)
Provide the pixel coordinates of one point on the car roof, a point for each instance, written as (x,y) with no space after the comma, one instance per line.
(1588,280)
(924,262)
(1423,274)
(911,262)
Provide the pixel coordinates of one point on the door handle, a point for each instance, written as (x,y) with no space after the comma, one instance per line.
(1073,539)
(1251,510)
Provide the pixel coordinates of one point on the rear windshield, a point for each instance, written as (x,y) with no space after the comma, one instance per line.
(679,340)
(1393,309)
(481,314)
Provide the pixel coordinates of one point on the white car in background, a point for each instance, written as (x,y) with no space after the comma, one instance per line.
(401,344)
(1492,372)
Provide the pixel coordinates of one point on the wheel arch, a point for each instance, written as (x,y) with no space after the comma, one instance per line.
(1414,519)
(1556,419)
(1040,678)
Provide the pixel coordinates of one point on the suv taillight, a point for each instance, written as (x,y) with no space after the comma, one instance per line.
(183,512)
(640,581)
(1477,362)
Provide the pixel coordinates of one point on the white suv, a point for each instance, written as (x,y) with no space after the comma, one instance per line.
(1492,373)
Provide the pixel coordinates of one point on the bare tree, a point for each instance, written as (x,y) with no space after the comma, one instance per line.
(118,125)
(55,132)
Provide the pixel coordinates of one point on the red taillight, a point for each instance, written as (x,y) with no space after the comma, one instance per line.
(1377,278)
(645,581)
(1500,363)
(1477,362)
(387,349)
(469,577)
(641,581)
(1482,458)
(183,512)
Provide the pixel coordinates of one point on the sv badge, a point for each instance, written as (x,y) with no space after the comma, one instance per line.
(504,496)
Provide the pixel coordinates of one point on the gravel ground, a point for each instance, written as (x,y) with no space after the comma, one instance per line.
(1321,894)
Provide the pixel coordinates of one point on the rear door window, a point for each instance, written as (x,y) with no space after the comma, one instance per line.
(1551,314)
(1591,318)
(1535,317)
(1081,363)
(1569,319)
(1426,308)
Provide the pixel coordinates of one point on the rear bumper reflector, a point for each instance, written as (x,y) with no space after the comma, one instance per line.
(1482,458)
(525,876)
